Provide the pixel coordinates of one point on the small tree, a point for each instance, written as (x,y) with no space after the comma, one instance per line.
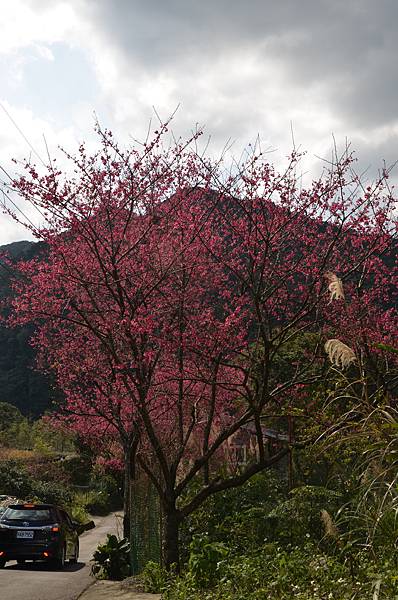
(170,287)
(9,415)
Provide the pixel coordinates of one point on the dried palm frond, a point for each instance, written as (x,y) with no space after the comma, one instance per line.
(335,286)
(329,525)
(340,354)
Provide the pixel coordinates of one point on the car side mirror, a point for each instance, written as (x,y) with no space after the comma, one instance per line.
(89,525)
(82,527)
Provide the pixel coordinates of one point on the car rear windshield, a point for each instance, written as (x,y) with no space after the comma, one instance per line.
(27,514)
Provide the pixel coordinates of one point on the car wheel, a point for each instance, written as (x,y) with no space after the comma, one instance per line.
(59,562)
(2,563)
(75,558)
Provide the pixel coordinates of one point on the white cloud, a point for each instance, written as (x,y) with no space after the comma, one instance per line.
(238,69)
(26,136)
(23,24)
(45,52)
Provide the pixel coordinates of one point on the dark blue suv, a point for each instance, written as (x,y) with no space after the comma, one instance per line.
(38,532)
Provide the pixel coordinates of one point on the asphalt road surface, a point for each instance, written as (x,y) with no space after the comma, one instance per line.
(36,581)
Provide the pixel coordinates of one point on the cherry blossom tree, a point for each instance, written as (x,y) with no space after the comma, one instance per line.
(170,286)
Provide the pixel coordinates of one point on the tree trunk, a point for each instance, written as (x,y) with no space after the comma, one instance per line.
(129,526)
(127,495)
(171,548)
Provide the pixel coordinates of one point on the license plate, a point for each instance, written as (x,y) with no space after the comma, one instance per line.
(25,535)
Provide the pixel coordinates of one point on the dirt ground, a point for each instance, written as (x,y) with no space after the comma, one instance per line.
(114,590)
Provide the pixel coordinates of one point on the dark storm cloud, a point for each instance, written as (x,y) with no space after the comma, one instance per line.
(350,48)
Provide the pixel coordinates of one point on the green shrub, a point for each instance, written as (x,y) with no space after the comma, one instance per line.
(78,512)
(14,480)
(78,468)
(112,559)
(98,503)
(154,578)
(299,517)
(237,515)
(287,574)
(109,487)
(204,560)
(49,492)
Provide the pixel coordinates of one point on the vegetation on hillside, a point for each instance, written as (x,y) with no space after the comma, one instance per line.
(21,384)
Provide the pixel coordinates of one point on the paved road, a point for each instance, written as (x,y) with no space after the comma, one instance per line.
(35,581)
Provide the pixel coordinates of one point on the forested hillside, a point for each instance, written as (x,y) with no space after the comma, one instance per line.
(20,384)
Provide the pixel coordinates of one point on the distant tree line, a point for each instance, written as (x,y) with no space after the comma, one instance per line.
(20,383)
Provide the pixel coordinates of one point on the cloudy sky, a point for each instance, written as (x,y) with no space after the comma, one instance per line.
(238,68)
